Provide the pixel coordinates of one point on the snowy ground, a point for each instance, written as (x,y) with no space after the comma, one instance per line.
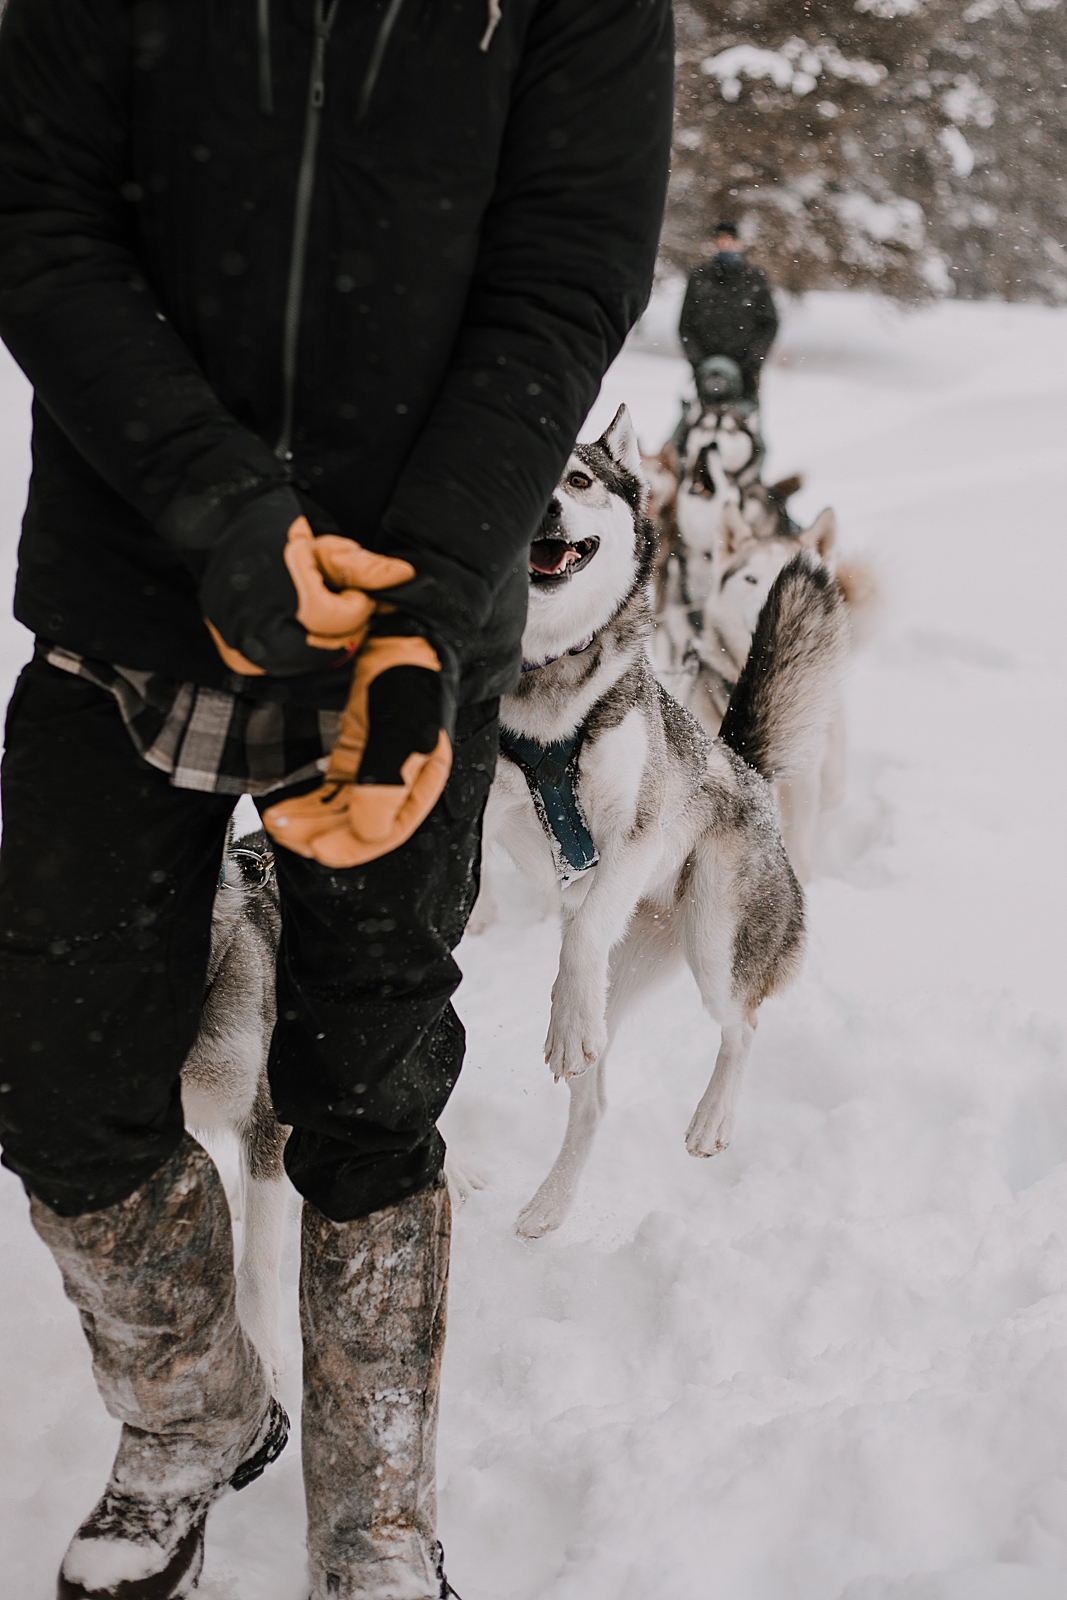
(831,1364)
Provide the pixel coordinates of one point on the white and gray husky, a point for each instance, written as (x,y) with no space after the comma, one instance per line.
(224,1080)
(665,841)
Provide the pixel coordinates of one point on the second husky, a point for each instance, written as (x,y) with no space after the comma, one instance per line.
(665,841)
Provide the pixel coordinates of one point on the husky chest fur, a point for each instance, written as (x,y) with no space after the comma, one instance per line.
(690,864)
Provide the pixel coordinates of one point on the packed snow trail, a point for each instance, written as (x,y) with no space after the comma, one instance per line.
(830,1364)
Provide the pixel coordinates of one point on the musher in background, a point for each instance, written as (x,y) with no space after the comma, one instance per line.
(276,272)
(728,322)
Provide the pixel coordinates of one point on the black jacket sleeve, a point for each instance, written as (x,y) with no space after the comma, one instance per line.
(563,271)
(75,310)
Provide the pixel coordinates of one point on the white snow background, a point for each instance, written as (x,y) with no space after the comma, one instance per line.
(832,1363)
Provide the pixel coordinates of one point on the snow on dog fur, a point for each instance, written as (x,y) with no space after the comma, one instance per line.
(691,866)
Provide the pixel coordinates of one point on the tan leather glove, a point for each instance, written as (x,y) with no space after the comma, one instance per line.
(390,763)
(330,576)
(393,755)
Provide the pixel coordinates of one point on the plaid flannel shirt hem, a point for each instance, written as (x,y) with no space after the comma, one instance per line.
(207,739)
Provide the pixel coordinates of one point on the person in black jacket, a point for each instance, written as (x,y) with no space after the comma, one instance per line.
(728,311)
(284,275)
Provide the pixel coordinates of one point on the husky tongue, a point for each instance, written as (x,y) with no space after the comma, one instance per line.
(551,556)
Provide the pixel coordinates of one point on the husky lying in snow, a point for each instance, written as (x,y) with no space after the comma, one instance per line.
(666,843)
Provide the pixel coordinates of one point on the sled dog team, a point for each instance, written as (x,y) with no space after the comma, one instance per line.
(673,827)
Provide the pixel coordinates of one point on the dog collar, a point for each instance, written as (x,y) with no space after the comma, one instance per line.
(550,771)
(575,650)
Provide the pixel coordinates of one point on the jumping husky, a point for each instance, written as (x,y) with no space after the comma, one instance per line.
(666,843)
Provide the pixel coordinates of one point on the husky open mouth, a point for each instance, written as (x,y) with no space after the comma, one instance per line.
(552,561)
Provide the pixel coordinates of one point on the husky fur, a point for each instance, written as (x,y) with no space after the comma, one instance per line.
(687,569)
(728,563)
(691,865)
(224,1080)
(748,560)
(713,462)
(721,458)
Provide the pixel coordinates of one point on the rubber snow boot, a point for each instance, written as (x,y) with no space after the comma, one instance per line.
(372,1303)
(152,1279)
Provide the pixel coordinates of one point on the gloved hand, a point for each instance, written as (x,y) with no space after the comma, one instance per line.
(277,600)
(391,760)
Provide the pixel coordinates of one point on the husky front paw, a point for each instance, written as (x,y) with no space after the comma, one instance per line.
(711,1129)
(484,912)
(573,1045)
(542,1214)
(461,1179)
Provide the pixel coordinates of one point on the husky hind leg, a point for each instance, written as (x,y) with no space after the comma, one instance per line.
(264,1191)
(715,1118)
(743,937)
(556,1195)
(644,959)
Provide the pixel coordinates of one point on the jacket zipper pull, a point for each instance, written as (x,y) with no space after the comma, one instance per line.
(317,95)
(323,26)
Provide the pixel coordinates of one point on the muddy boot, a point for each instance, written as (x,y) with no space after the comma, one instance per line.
(372,1305)
(152,1278)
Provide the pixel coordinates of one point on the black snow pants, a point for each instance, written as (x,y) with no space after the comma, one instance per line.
(107,879)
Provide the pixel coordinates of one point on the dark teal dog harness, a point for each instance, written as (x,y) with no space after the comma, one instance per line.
(550,771)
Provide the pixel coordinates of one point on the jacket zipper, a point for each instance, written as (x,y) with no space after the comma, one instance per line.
(266,80)
(305,188)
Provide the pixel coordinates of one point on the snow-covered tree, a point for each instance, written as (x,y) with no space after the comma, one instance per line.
(911,146)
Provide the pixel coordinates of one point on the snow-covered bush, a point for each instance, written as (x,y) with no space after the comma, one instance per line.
(909,146)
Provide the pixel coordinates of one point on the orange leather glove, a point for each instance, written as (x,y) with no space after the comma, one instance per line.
(389,765)
(393,755)
(330,576)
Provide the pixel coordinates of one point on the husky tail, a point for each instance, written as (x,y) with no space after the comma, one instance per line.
(787,692)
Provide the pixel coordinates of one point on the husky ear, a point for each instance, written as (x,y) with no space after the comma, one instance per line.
(620,442)
(668,459)
(785,488)
(822,535)
(733,529)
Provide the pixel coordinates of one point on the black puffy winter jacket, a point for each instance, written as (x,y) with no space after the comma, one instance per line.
(328,242)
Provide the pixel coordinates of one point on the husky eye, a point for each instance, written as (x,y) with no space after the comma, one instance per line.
(750,579)
(578,480)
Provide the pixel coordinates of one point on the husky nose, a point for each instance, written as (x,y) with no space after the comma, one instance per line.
(553,513)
